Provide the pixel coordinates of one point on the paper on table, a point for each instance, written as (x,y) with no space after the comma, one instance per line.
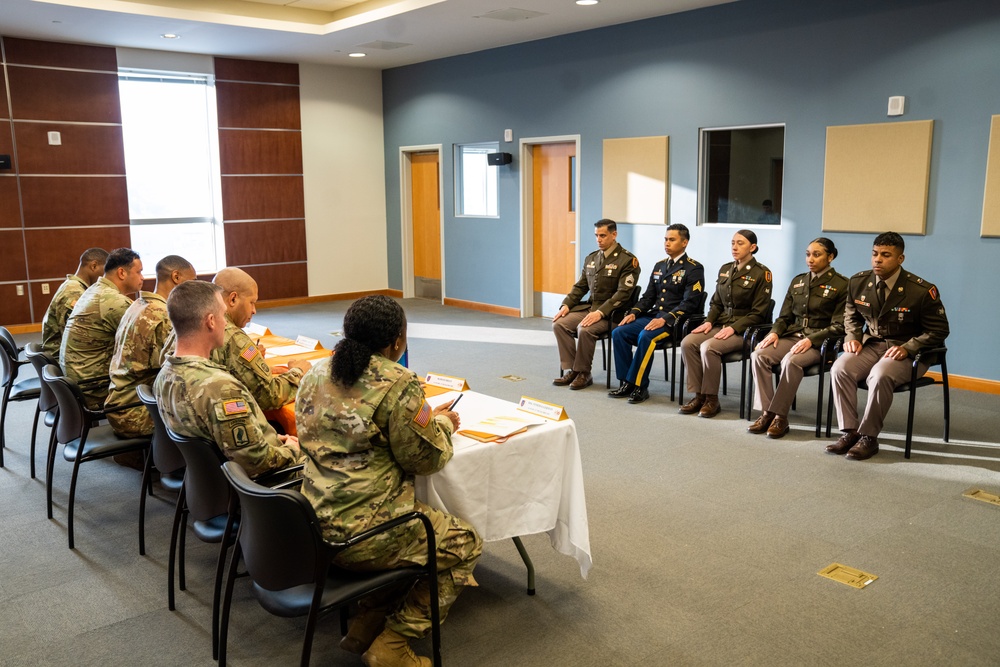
(286,350)
(503,425)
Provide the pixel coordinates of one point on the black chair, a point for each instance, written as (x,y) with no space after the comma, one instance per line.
(935,356)
(81,438)
(741,355)
(608,352)
(674,342)
(289,562)
(205,496)
(163,456)
(828,354)
(25,390)
(47,403)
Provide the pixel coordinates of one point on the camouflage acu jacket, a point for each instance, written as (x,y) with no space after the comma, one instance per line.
(241,357)
(89,339)
(141,334)
(198,398)
(363,445)
(58,312)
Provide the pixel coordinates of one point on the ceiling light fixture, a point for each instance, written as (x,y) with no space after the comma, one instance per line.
(587,2)
(170,35)
(357,54)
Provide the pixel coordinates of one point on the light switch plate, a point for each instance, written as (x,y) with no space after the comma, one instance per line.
(55,138)
(45,288)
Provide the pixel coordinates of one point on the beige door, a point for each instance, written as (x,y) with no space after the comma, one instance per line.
(554,223)
(426,225)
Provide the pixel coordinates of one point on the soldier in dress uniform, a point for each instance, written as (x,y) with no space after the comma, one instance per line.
(138,346)
(891,315)
(90,269)
(741,300)
(366,430)
(198,398)
(813,310)
(676,289)
(89,339)
(243,357)
(609,276)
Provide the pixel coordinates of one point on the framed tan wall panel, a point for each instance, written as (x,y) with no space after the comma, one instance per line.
(233,69)
(258,105)
(265,242)
(53,253)
(12,255)
(991,198)
(877,177)
(636,177)
(10,210)
(57,54)
(51,94)
(280,281)
(262,197)
(260,152)
(74,201)
(14,309)
(85,149)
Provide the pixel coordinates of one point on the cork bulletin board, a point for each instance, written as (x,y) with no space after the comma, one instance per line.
(636,180)
(877,177)
(991,199)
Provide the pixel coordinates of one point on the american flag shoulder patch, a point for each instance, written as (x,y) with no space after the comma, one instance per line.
(235,407)
(423,418)
(249,352)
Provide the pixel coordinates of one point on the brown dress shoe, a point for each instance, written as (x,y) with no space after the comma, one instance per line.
(565,379)
(762,423)
(711,406)
(778,428)
(693,406)
(866,448)
(844,444)
(581,381)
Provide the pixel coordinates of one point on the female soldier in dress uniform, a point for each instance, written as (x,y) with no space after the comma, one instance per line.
(813,311)
(741,300)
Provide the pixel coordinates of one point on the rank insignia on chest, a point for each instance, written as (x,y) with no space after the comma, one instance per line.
(900,317)
(826,292)
(746,282)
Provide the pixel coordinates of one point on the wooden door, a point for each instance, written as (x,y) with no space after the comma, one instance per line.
(554,220)
(426,208)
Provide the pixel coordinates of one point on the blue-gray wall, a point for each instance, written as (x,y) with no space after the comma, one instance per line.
(808,65)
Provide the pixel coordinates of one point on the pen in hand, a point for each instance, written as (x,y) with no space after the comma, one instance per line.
(452,406)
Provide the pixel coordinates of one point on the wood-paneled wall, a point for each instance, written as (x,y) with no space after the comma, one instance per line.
(58,200)
(260,150)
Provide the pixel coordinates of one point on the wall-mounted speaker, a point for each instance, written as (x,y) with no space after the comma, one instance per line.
(5,162)
(497,159)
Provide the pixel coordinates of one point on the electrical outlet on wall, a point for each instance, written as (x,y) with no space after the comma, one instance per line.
(20,290)
(45,288)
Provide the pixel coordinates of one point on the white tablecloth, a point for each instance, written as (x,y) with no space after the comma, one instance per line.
(532,483)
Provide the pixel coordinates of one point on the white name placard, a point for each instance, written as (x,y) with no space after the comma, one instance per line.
(446,382)
(542,408)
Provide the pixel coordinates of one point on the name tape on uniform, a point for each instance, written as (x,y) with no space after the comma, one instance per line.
(542,408)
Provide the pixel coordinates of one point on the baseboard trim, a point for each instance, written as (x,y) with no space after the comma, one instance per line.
(17,329)
(322,298)
(971,384)
(483,307)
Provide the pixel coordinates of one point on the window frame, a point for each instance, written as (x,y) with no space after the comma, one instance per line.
(704,134)
(459,155)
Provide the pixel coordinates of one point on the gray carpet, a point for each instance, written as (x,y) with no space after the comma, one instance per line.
(706,540)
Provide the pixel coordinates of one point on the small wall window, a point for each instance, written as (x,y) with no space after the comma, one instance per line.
(741,174)
(477,182)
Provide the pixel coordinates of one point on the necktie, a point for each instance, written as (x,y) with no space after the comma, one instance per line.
(600,260)
(670,266)
(880,294)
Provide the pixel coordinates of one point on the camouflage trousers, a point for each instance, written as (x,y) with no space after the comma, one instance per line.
(458,549)
(131,423)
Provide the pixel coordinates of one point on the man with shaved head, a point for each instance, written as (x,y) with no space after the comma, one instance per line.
(239,355)
(139,343)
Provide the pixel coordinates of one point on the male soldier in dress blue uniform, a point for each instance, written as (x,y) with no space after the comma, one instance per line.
(609,274)
(676,289)
(891,315)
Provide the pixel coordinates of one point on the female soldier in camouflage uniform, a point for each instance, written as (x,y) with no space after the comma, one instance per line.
(366,430)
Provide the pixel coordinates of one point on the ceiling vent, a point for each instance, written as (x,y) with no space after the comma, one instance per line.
(511,14)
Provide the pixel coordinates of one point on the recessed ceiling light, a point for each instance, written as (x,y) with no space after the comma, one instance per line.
(587,2)
(357,54)
(170,35)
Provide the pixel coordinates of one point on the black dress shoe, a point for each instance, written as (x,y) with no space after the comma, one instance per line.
(624,390)
(565,380)
(866,448)
(638,396)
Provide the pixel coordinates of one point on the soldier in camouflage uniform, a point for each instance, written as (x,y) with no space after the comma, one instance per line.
(610,274)
(366,430)
(89,339)
(91,268)
(239,355)
(198,398)
(138,345)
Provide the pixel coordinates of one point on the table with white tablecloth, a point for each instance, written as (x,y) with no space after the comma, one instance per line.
(530,483)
